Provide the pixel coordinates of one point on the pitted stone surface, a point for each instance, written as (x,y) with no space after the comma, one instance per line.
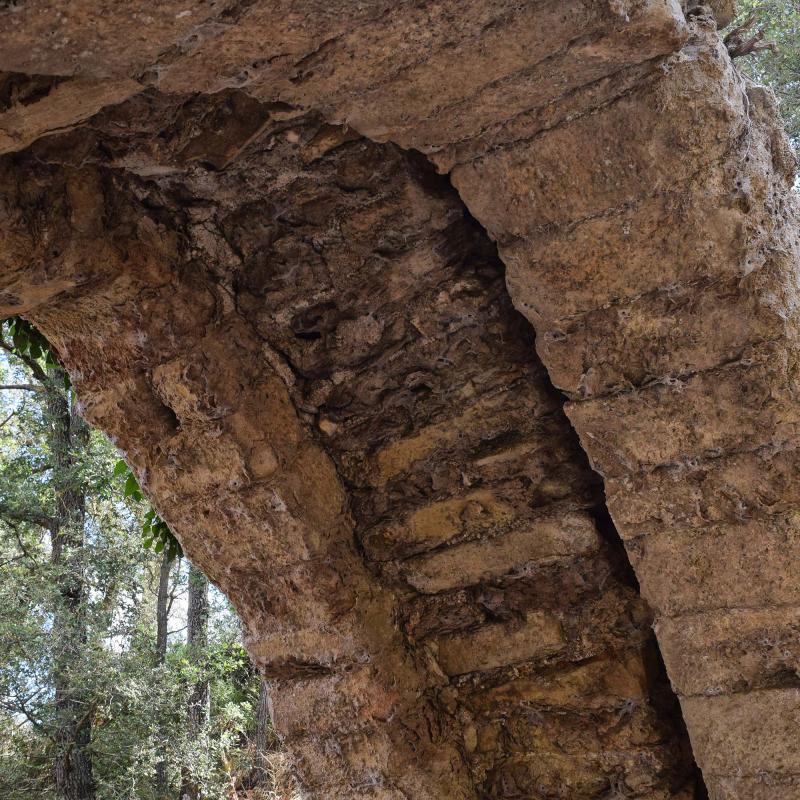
(304,345)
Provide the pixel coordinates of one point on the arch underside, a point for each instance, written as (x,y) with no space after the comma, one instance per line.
(404,314)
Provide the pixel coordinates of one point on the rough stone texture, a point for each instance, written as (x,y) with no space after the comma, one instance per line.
(303,344)
(680,362)
(311,360)
(724,11)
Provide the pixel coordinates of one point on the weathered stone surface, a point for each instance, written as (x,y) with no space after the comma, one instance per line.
(763,787)
(561,736)
(732,649)
(66,103)
(724,566)
(686,368)
(623,681)
(80,38)
(735,407)
(680,331)
(535,636)
(686,231)
(542,540)
(724,11)
(732,488)
(305,348)
(725,727)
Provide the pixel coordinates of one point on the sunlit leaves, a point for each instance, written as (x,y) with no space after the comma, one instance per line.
(778,68)
(155,532)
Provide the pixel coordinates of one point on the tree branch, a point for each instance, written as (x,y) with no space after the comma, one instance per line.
(26,515)
(28,387)
(20,705)
(13,560)
(739,46)
(8,419)
(177,630)
(30,363)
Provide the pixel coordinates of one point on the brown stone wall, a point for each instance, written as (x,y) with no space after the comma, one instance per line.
(311,360)
(303,343)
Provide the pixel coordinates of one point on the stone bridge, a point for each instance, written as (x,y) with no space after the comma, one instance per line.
(457,341)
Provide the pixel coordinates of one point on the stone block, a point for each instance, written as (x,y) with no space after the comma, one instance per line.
(732,489)
(741,565)
(705,415)
(535,541)
(745,734)
(731,650)
(493,646)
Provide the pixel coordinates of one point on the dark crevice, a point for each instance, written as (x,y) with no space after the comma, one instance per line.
(608,532)
(662,696)
(666,703)
(296,670)
(20,89)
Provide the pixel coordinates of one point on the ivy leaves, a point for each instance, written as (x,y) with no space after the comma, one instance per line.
(155,532)
(28,344)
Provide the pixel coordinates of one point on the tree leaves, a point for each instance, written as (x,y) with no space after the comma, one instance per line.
(132,489)
(28,344)
(155,532)
(138,711)
(34,349)
(778,67)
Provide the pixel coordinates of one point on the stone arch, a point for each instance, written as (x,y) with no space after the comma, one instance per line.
(303,344)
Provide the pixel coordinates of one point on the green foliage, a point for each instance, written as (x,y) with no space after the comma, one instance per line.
(29,345)
(29,342)
(155,532)
(34,349)
(137,706)
(114,571)
(778,68)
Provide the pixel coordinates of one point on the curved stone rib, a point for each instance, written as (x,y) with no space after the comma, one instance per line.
(738,694)
(314,367)
(229,465)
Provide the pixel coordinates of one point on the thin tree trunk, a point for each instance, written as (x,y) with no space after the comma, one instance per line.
(197,642)
(263,739)
(69,434)
(162,618)
(162,615)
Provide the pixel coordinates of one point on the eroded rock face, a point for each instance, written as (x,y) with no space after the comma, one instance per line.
(680,365)
(310,356)
(304,345)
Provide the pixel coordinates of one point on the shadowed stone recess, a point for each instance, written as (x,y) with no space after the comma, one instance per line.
(225,216)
